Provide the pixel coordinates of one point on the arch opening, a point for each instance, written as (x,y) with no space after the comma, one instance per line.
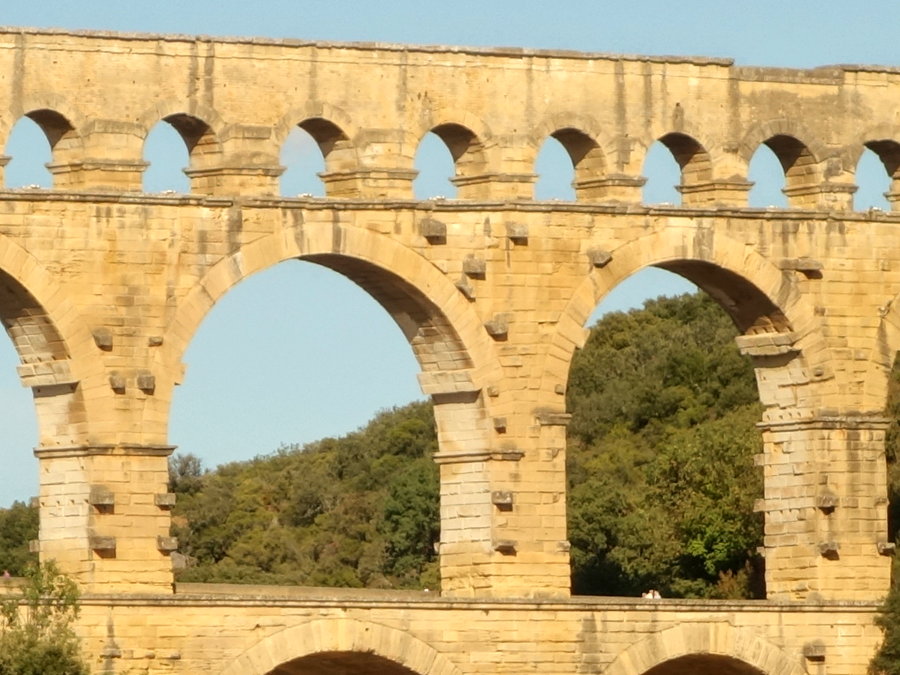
(203,147)
(767,175)
(315,149)
(341,663)
(663,176)
(797,163)
(691,157)
(704,664)
(315,529)
(167,157)
(877,175)
(35,143)
(467,161)
(554,167)
(661,398)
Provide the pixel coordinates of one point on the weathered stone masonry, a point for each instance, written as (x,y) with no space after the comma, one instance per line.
(103,286)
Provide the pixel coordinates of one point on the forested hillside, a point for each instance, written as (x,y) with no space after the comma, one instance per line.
(661,479)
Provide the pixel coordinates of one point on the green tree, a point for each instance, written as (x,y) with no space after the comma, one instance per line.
(18,526)
(36,637)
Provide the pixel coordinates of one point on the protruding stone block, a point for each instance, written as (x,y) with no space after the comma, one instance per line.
(101,496)
(502,499)
(474,267)
(517,233)
(146,382)
(117,382)
(103,338)
(599,257)
(165,500)
(102,544)
(814,650)
(167,544)
(434,231)
(497,328)
(505,546)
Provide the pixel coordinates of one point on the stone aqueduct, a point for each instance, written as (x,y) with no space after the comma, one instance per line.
(103,286)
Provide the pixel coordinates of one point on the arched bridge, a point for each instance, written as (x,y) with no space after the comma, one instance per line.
(102,287)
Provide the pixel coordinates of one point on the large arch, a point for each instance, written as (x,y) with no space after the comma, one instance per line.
(345,637)
(741,649)
(55,347)
(389,271)
(758,296)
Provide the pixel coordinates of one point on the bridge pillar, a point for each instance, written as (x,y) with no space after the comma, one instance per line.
(825,509)
(503,520)
(104,513)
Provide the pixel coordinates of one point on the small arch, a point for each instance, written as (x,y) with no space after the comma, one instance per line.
(585,153)
(436,169)
(799,159)
(739,651)
(888,153)
(691,156)
(555,173)
(663,176)
(64,142)
(767,177)
(167,157)
(200,129)
(343,640)
(338,156)
(466,150)
(29,155)
(754,292)
(197,135)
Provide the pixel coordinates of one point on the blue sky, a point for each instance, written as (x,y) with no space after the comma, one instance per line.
(297,352)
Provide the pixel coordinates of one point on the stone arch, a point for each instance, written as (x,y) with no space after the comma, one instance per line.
(200,127)
(311,111)
(801,156)
(707,639)
(588,149)
(691,156)
(62,125)
(55,348)
(468,140)
(883,141)
(441,326)
(367,258)
(338,151)
(341,636)
(758,296)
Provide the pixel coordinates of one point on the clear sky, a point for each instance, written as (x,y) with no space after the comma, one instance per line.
(297,352)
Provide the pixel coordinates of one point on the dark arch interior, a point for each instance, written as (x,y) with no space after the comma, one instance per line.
(54,125)
(704,664)
(27,324)
(192,129)
(326,134)
(750,309)
(790,152)
(889,154)
(341,663)
(579,145)
(459,140)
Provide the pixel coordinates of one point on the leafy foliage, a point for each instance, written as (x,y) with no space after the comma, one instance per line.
(35,633)
(18,526)
(660,463)
(356,511)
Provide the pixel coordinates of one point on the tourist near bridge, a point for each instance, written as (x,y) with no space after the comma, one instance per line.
(103,286)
